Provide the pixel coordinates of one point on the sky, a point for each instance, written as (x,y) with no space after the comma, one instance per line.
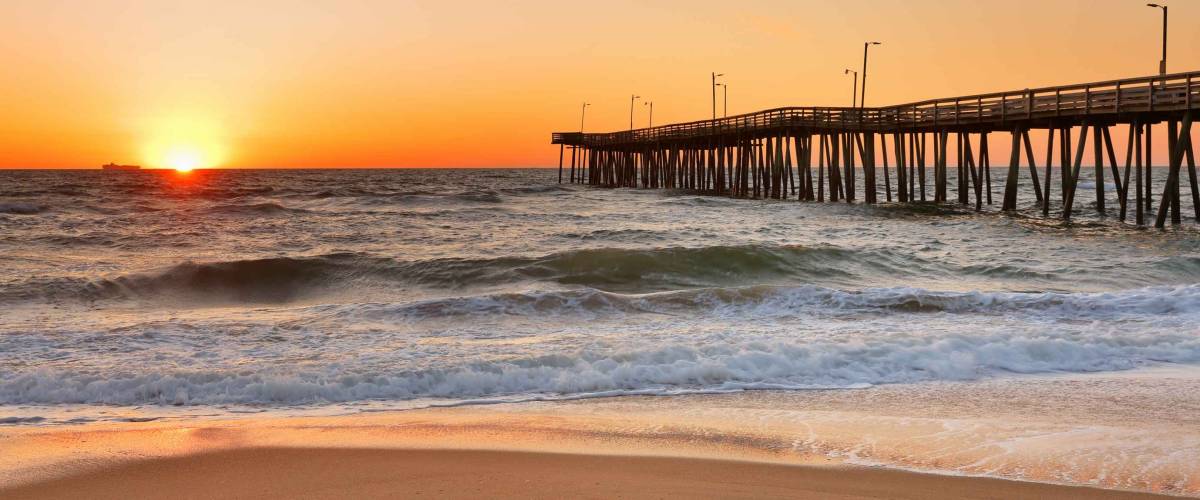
(442,83)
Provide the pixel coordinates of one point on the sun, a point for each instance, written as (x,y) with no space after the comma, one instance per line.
(184,141)
(183,159)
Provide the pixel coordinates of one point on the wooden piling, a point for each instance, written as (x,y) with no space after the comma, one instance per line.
(1033,175)
(1010,182)
(1116,172)
(1098,149)
(1074,183)
(1178,140)
(1141,207)
(1046,179)
(985,165)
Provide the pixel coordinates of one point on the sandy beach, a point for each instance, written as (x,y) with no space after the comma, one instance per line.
(362,473)
(1113,435)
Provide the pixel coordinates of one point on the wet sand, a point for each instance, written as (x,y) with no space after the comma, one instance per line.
(364,473)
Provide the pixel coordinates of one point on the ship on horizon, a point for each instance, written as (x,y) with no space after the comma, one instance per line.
(114,166)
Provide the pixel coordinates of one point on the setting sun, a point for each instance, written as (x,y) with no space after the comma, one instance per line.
(184,140)
(183,159)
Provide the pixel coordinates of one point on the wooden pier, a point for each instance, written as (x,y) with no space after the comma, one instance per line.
(816,153)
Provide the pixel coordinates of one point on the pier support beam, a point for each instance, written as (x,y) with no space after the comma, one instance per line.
(1098,149)
(902,185)
(1069,197)
(1046,179)
(572,176)
(887,182)
(1033,175)
(1014,170)
(921,165)
(1141,207)
(1116,172)
(1179,141)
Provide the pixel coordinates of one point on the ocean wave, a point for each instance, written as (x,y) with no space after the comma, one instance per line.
(616,235)
(548,188)
(427,197)
(265,208)
(21,208)
(668,268)
(232,192)
(366,197)
(765,301)
(271,280)
(277,279)
(590,372)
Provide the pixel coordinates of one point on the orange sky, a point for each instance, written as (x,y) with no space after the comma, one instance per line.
(442,83)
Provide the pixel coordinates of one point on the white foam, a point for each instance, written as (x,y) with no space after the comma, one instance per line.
(515,346)
(662,369)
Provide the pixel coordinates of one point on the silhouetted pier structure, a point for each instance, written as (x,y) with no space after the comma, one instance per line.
(815,153)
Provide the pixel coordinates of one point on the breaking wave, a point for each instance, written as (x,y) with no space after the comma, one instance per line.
(624,270)
(617,270)
(765,301)
(664,369)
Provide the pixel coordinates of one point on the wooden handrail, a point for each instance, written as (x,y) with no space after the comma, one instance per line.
(1125,94)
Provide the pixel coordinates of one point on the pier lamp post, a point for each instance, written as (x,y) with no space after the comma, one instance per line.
(854,94)
(724,99)
(582,115)
(1162,65)
(862,101)
(632,98)
(714,93)
(651,104)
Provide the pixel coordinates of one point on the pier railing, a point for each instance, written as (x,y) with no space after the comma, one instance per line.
(994,111)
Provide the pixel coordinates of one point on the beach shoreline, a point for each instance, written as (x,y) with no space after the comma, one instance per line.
(1047,436)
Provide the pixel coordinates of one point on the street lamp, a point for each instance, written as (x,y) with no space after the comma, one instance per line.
(651,104)
(582,115)
(854,94)
(1162,65)
(862,101)
(725,98)
(714,93)
(631,99)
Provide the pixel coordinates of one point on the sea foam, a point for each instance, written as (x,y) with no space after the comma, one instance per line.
(855,357)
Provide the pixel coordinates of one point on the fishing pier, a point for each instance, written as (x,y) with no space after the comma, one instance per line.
(816,153)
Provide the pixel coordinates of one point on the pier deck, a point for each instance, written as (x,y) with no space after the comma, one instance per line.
(770,153)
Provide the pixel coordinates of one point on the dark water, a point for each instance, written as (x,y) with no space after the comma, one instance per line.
(227,290)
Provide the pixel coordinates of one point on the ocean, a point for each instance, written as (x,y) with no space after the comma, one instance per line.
(139,295)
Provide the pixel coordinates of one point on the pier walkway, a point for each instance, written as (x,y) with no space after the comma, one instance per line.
(815,153)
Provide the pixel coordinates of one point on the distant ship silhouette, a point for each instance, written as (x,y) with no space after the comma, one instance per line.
(114,166)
